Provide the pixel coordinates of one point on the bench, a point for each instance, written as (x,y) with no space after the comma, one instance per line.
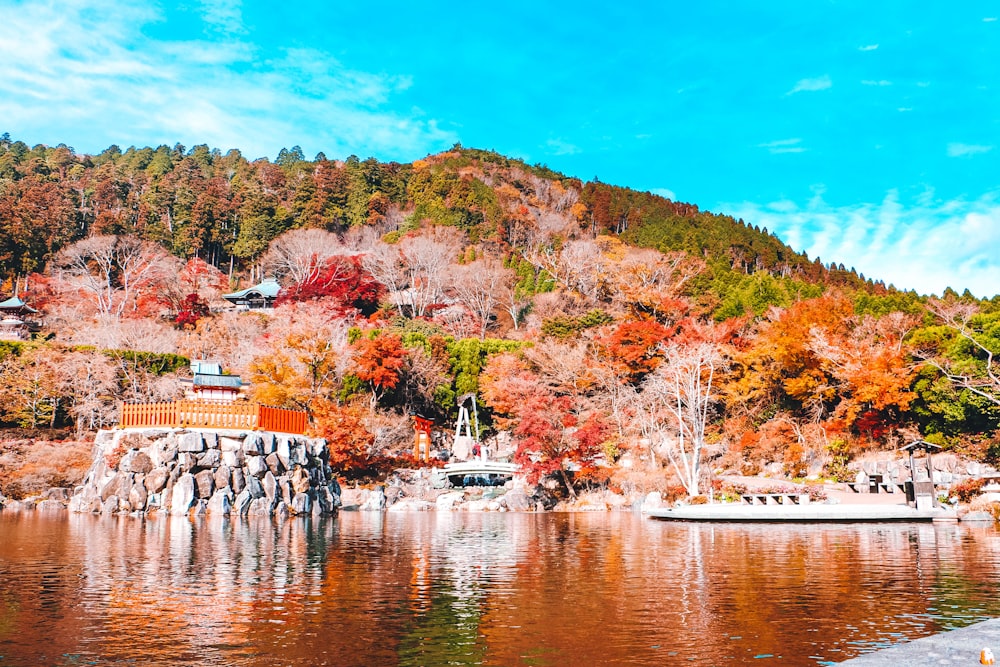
(775,498)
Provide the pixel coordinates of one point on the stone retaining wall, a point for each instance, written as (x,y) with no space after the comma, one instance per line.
(220,472)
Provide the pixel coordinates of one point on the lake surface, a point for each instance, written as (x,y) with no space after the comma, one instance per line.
(478,589)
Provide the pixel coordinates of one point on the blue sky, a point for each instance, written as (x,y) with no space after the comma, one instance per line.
(864,133)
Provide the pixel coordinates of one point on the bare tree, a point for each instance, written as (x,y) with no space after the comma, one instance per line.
(678,398)
(479,285)
(115,270)
(301,255)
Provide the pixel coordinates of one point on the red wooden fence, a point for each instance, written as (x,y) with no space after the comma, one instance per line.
(197,414)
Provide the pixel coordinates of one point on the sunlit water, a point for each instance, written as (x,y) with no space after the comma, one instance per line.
(478,589)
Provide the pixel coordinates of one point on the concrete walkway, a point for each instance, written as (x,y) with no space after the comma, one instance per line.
(957,647)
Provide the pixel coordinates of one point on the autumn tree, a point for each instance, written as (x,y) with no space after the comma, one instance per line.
(378,361)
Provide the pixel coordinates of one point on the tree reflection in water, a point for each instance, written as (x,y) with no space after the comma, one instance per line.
(478,589)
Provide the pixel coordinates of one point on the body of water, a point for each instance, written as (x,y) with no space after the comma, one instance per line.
(478,589)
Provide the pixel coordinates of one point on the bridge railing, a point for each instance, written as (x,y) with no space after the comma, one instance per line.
(200,414)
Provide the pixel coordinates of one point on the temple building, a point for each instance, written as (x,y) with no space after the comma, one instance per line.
(16,322)
(258,297)
(209,384)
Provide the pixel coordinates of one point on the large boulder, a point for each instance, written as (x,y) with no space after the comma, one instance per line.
(156,480)
(253,445)
(182,494)
(204,483)
(137,496)
(136,461)
(211,458)
(301,504)
(221,502)
(222,476)
(274,463)
(270,485)
(190,442)
(283,450)
(256,467)
(242,504)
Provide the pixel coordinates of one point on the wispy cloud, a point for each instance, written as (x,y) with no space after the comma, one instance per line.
(868,47)
(664,192)
(922,246)
(224,15)
(810,85)
(989,19)
(880,82)
(560,147)
(783,146)
(126,87)
(967,150)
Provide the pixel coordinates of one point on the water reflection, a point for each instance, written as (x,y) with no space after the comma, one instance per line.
(477,589)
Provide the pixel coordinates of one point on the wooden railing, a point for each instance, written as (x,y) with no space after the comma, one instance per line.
(199,414)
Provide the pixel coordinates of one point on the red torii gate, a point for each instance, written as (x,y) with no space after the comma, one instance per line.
(422,437)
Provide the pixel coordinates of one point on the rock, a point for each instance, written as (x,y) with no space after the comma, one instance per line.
(204,483)
(297,456)
(977,517)
(652,501)
(252,445)
(211,439)
(238,480)
(183,494)
(235,459)
(222,476)
(281,510)
(447,501)
(110,505)
(137,496)
(190,442)
(255,488)
(58,493)
(260,507)
(301,504)
(267,443)
(270,485)
(221,502)
(274,463)
(212,458)
(227,444)
(164,454)
(318,449)
(187,461)
(136,461)
(412,505)
(517,500)
(201,508)
(256,467)
(479,505)
(300,481)
(110,486)
(50,504)
(156,480)
(242,504)
(375,502)
(285,488)
(282,450)
(326,501)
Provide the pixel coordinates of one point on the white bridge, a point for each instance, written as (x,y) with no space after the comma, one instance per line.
(479,470)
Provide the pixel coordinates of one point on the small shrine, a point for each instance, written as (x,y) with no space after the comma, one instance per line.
(260,296)
(208,383)
(16,321)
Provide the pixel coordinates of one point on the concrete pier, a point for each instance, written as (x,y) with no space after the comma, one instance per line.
(957,647)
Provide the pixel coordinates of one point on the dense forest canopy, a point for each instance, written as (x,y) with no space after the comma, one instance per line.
(578,313)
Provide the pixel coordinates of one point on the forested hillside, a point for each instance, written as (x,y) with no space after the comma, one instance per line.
(612,332)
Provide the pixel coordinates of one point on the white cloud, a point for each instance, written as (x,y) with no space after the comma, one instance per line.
(967,150)
(810,85)
(783,146)
(989,19)
(880,82)
(224,15)
(560,147)
(868,47)
(904,109)
(922,245)
(665,193)
(58,83)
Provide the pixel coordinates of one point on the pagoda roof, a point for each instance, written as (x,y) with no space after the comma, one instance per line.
(269,288)
(16,304)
